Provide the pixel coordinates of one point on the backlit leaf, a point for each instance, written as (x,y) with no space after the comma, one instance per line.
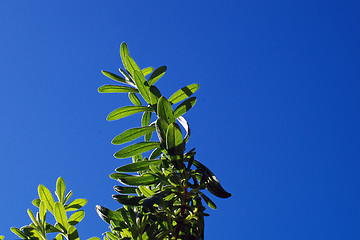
(76,217)
(126,111)
(45,195)
(60,215)
(134,99)
(183,93)
(147,71)
(157,74)
(60,189)
(136,148)
(184,107)
(116,89)
(165,111)
(76,204)
(142,85)
(145,179)
(132,134)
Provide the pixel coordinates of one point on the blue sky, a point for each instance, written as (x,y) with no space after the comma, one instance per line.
(277,117)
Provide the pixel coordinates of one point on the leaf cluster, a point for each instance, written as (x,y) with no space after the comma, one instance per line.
(162,194)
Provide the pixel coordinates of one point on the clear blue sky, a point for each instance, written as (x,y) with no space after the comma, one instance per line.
(277,117)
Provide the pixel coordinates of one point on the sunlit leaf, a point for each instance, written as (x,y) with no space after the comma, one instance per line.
(126,111)
(132,134)
(76,217)
(142,85)
(72,233)
(125,190)
(183,93)
(138,166)
(107,214)
(116,89)
(174,140)
(184,107)
(60,189)
(161,127)
(18,233)
(60,215)
(157,74)
(36,202)
(45,195)
(146,191)
(134,99)
(155,94)
(165,111)
(136,148)
(124,51)
(147,71)
(76,204)
(116,78)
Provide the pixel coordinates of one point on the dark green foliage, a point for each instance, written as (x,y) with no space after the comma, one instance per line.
(162,194)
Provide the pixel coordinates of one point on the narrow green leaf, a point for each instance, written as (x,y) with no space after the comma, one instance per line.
(94,238)
(76,217)
(161,127)
(157,74)
(146,191)
(138,166)
(107,214)
(127,199)
(145,179)
(116,176)
(141,85)
(67,196)
(208,201)
(165,111)
(32,217)
(125,190)
(155,198)
(183,93)
(184,107)
(42,212)
(212,183)
(72,233)
(116,77)
(59,237)
(36,202)
(174,140)
(132,66)
(131,134)
(45,195)
(76,204)
(157,152)
(51,229)
(111,236)
(116,89)
(60,189)
(136,148)
(60,215)
(147,71)
(18,233)
(134,99)
(145,120)
(123,53)
(126,111)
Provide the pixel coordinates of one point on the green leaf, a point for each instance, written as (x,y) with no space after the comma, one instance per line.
(131,134)
(18,233)
(142,85)
(132,66)
(116,77)
(116,176)
(76,204)
(155,94)
(212,183)
(134,99)
(147,71)
(72,233)
(184,107)
(51,229)
(145,179)
(124,52)
(183,93)
(60,215)
(165,111)
(59,237)
(146,191)
(157,152)
(157,74)
(46,196)
(138,166)
(116,89)
(32,217)
(94,238)
(150,201)
(126,111)
(76,217)
(174,140)
(107,214)
(111,236)
(135,149)
(36,202)
(67,196)
(161,128)
(145,120)
(42,212)
(125,190)
(60,189)
(2,237)
(208,201)
(127,199)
